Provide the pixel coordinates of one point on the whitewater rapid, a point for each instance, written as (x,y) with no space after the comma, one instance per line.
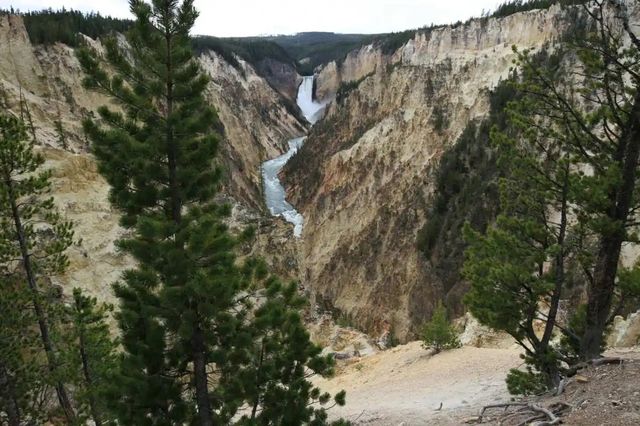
(275,195)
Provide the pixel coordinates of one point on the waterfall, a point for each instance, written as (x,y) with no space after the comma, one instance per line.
(311,109)
(275,195)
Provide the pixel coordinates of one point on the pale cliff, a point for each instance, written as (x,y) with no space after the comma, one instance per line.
(256,121)
(365,175)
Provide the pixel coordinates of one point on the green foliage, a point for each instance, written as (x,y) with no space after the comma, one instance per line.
(347,87)
(250,50)
(591,113)
(190,308)
(62,26)
(60,133)
(506,264)
(525,382)
(515,6)
(628,297)
(94,352)
(33,243)
(24,195)
(318,48)
(466,190)
(23,373)
(439,118)
(553,136)
(438,333)
(499,266)
(389,43)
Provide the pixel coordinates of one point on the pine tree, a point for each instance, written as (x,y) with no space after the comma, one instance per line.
(25,115)
(22,372)
(507,267)
(275,375)
(597,109)
(191,334)
(60,133)
(94,351)
(32,231)
(438,333)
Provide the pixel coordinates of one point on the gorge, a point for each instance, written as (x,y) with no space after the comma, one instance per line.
(350,166)
(275,195)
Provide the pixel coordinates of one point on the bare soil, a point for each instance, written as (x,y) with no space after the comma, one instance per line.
(408,385)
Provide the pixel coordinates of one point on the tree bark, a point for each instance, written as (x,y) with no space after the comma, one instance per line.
(7,395)
(199,349)
(63,397)
(201,378)
(86,371)
(600,293)
(559,263)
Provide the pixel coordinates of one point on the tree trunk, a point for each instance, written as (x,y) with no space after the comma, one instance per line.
(201,378)
(199,350)
(86,371)
(559,264)
(600,293)
(7,395)
(63,397)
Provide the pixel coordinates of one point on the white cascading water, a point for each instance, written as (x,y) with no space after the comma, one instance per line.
(311,109)
(274,192)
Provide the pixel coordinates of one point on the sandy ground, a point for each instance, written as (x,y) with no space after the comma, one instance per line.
(406,385)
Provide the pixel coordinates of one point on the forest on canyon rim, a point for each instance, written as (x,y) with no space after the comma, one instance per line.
(515,198)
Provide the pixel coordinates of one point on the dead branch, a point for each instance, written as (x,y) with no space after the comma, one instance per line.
(532,419)
(535,412)
(594,362)
(561,386)
(553,419)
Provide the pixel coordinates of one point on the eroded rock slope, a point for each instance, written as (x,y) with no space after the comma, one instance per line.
(365,176)
(48,79)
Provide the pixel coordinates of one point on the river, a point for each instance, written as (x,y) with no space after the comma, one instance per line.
(275,195)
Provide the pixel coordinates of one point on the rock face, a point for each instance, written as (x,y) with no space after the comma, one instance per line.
(355,65)
(625,332)
(282,77)
(364,177)
(256,120)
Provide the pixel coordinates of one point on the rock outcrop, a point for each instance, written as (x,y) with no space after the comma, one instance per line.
(364,178)
(48,79)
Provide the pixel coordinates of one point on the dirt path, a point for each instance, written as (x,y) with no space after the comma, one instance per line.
(406,385)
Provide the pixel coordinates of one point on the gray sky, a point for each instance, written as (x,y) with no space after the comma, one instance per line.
(261,17)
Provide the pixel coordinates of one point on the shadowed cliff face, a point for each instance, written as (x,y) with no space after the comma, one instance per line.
(256,121)
(282,77)
(365,175)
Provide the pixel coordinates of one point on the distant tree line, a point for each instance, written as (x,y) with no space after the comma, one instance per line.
(53,26)
(252,51)
(515,6)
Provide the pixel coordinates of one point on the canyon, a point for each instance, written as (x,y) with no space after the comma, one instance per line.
(337,173)
(363,180)
(47,81)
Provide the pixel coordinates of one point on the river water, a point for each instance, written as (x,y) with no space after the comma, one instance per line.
(275,195)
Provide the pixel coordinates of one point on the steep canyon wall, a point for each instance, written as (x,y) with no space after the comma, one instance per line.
(364,178)
(256,124)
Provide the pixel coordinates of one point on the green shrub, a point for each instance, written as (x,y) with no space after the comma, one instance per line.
(438,333)
(347,87)
(525,382)
(440,118)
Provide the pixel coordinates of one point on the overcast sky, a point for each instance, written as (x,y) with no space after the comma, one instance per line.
(236,18)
